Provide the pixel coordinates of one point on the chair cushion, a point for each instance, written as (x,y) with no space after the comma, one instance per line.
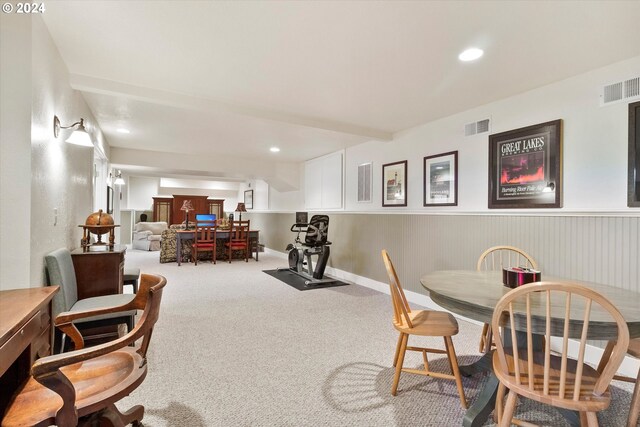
(102,302)
(156,237)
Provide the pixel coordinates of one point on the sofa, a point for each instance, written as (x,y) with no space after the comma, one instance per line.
(147,235)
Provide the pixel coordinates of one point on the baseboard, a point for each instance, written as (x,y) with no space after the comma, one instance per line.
(629,366)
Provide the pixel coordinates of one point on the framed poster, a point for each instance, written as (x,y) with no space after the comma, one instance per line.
(248,199)
(394,184)
(441,179)
(633,200)
(109,200)
(525,167)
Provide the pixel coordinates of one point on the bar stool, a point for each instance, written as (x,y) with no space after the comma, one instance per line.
(131,276)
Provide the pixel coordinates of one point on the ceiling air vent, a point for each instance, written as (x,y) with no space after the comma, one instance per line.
(474,128)
(620,91)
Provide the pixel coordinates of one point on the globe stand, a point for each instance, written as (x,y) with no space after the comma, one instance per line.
(98,230)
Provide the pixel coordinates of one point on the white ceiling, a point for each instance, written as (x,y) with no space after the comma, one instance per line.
(230,78)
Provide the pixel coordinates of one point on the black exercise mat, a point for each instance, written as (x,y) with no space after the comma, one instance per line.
(297,282)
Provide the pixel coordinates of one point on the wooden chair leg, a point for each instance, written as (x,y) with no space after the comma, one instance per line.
(395,357)
(497,412)
(451,352)
(509,408)
(583,418)
(396,378)
(634,411)
(481,347)
(488,340)
(592,419)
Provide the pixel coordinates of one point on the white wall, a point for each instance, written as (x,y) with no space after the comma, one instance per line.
(594,147)
(140,192)
(15,151)
(260,194)
(61,173)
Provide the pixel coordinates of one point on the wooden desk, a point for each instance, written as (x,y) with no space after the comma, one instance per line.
(220,235)
(99,271)
(25,335)
(474,294)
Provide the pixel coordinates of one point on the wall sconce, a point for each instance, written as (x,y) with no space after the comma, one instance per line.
(119,180)
(80,136)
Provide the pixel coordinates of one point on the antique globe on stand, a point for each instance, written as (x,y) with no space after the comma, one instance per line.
(98,223)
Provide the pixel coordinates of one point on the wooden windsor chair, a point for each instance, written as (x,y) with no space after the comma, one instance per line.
(428,323)
(527,368)
(495,259)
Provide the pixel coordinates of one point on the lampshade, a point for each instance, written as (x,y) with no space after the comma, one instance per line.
(241,208)
(186,206)
(80,136)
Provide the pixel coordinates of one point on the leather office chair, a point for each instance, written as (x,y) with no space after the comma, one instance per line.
(61,272)
(494,259)
(527,368)
(81,387)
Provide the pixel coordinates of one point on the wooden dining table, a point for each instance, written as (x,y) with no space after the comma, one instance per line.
(474,294)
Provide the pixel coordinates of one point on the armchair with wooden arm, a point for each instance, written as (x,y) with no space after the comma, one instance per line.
(88,381)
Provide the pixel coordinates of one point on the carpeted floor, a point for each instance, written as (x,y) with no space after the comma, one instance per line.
(236,347)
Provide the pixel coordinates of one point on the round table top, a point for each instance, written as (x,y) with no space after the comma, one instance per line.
(474,294)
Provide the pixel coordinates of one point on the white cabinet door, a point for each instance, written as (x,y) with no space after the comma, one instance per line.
(323,182)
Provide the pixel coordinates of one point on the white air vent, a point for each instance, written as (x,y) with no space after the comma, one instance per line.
(364,182)
(474,128)
(620,91)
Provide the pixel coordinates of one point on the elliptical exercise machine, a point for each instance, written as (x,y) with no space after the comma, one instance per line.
(315,244)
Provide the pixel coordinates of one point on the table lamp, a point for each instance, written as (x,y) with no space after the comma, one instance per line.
(186,207)
(241,208)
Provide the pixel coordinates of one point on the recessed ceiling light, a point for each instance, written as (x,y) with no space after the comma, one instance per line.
(471,54)
(122,130)
(274,149)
